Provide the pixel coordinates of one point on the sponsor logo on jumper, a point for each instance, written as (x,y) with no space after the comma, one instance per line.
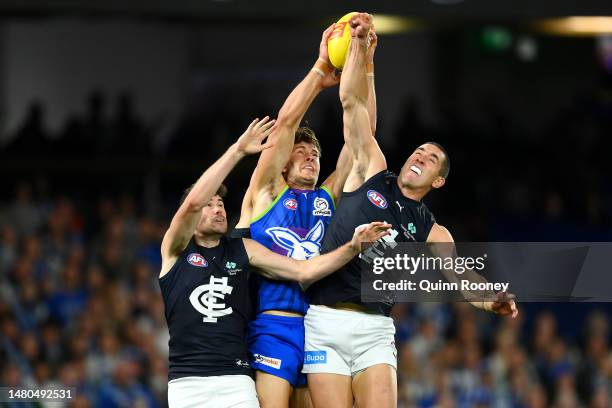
(321,207)
(232,268)
(401,207)
(242,363)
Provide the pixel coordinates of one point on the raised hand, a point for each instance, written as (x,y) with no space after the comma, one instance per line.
(371,232)
(251,141)
(360,25)
(504,304)
(330,76)
(373,42)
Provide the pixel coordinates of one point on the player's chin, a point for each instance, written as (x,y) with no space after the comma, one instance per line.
(219,228)
(310,177)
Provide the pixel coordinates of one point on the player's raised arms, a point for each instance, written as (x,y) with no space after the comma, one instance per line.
(189,213)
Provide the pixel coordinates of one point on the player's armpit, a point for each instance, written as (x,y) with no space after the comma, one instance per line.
(335,182)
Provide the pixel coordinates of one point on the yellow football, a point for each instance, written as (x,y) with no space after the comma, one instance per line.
(339,41)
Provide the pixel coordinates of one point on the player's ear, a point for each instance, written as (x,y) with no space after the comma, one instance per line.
(438,182)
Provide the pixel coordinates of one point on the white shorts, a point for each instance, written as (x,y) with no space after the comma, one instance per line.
(221,391)
(345,342)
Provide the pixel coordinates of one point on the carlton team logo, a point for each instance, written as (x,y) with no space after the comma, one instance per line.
(208,299)
(290,204)
(198,260)
(377,199)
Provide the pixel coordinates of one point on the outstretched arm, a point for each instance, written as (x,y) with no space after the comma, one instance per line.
(275,266)
(367,156)
(189,213)
(267,178)
(335,182)
(501,303)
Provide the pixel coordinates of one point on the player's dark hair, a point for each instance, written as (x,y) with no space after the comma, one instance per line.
(306,134)
(221,192)
(445,165)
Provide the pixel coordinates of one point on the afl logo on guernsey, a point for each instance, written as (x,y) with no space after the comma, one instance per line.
(377,199)
(198,260)
(290,204)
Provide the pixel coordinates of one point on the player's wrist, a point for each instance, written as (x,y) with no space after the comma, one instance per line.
(237,152)
(322,67)
(370,68)
(354,247)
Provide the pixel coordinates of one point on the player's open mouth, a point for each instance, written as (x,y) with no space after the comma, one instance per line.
(309,168)
(220,219)
(416,170)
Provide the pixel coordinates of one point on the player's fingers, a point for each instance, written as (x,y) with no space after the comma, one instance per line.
(328,31)
(267,145)
(268,126)
(253,123)
(261,122)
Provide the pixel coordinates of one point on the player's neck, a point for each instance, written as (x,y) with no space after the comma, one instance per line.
(296,185)
(411,193)
(207,240)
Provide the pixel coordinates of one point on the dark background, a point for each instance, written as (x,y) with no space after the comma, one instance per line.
(109,110)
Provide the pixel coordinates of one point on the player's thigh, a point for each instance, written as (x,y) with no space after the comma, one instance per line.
(272,391)
(300,398)
(330,390)
(376,387)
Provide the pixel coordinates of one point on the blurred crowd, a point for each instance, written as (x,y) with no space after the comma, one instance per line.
(79,301)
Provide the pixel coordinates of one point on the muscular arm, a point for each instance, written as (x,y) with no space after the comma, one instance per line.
(442,245)
(367,156)
(335,182)
(267,179)
(275,266)
(189,213)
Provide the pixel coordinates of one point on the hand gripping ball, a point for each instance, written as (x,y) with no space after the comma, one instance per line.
(339,41)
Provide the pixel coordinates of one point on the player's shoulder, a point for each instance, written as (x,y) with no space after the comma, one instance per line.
(231,241)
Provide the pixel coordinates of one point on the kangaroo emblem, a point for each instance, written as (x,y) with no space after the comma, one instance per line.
(297,247)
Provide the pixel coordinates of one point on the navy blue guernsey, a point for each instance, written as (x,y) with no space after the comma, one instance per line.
(240,233)
(378,199)
(207,308)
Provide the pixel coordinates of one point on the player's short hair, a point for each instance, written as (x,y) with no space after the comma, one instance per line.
(445,165)
(306,134)
(221,192)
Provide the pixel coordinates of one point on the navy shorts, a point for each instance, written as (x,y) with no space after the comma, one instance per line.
(276,346)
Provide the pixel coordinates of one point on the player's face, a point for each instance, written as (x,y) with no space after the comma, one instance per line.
(214,218)
(422,169)
(303,165)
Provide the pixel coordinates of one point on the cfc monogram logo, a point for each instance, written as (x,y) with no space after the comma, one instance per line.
(204,299)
